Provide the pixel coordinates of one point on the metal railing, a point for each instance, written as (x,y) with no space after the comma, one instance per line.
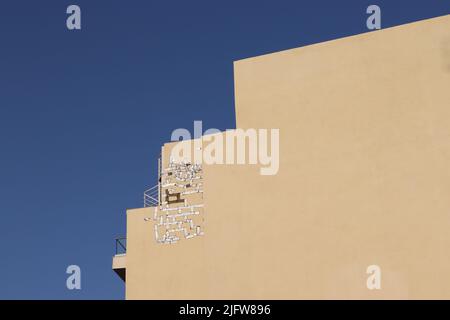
(151,197)
(121,245)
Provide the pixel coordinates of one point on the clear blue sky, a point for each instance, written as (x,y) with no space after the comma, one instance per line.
(84,113)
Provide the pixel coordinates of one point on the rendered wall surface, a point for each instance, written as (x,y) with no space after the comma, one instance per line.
(364,179)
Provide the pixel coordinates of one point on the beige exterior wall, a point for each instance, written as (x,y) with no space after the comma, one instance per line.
(364,179)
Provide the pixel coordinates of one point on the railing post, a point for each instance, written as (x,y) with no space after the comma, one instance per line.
(159,180)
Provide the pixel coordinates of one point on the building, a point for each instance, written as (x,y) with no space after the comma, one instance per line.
(364,179)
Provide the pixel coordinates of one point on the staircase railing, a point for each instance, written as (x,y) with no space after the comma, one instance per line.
(151,197)
(121,245)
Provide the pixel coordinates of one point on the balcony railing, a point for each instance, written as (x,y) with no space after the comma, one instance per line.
(151,197)
(121,245)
